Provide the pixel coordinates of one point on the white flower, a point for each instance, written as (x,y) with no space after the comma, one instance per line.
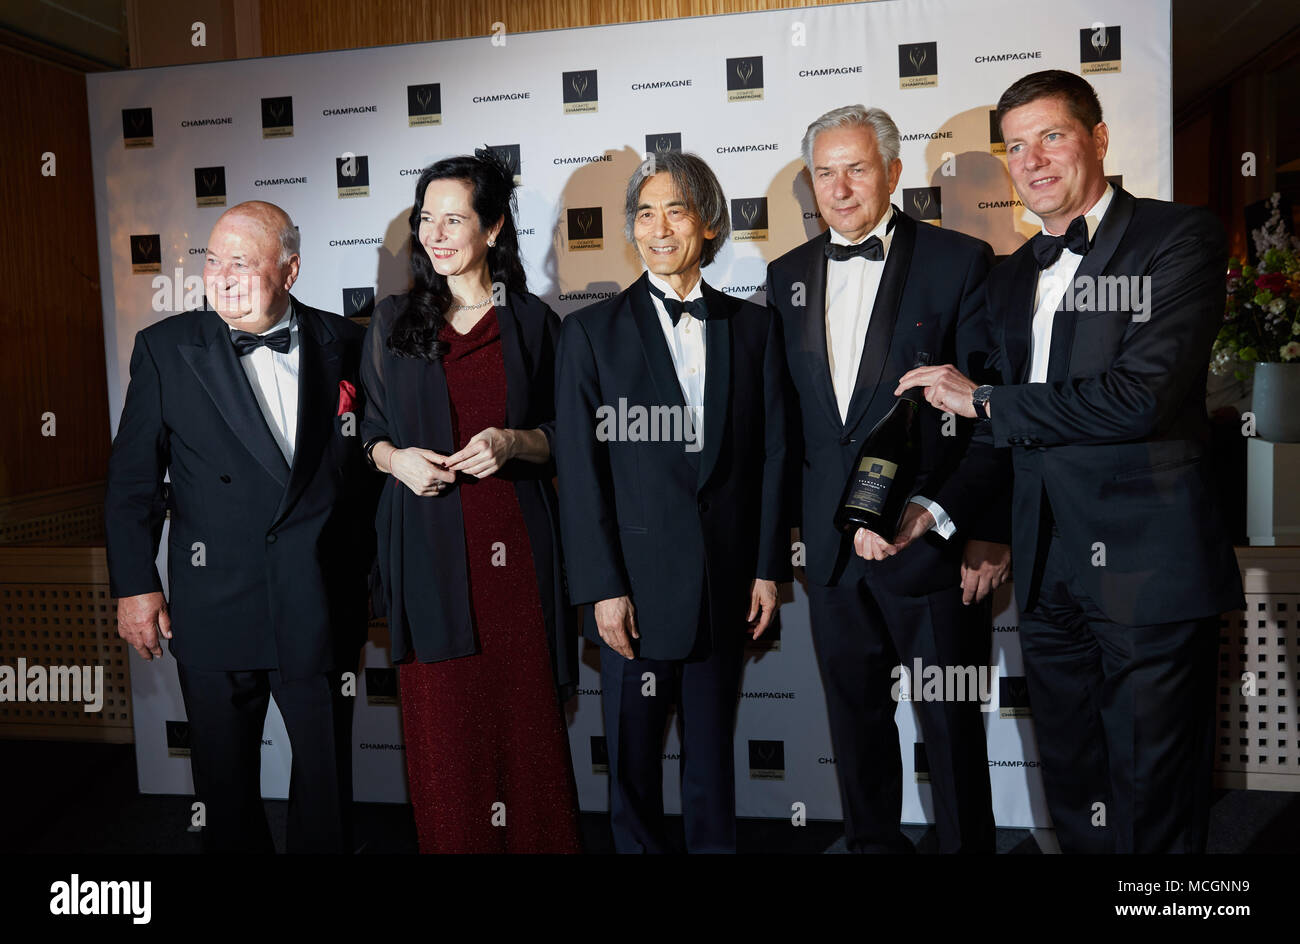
(1290,351)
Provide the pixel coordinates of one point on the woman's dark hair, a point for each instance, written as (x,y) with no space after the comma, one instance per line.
(416,327)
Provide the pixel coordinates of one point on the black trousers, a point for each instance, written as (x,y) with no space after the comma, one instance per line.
(1124,717)
(705,689)
(226,712)
(861,637)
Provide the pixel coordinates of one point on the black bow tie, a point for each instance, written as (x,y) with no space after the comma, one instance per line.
(246,343)
(1047,249)
(675,307)
(871,248)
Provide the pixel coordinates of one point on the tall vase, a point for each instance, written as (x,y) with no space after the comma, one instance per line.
(1276,402)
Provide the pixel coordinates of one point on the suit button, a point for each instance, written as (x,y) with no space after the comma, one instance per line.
(844,440)
(270,539)
(226,479)
(704,506)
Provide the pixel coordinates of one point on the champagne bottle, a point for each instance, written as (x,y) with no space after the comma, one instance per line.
(882,475)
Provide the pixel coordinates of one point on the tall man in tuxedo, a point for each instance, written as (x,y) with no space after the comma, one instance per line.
(857,304)
(1103,326)
(673,530)
(250,406)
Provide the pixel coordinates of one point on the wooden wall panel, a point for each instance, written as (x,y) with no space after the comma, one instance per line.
(51,326)
(294,26)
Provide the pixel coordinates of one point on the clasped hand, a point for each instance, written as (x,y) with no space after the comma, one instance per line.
(428,473)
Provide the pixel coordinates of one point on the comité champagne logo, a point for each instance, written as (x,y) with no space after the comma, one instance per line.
(586,229)
(767,760)
(352,172)
(423,105)
(381,687)
(599,755)
(920,763)
(137,127)
(178,738)
(745,79)
(996,144)
(923,203)
(508,154)
(1099,49)
(146,253)
(277,117)
(580,92)
(749,219)
(210,186)
(359,302)
(1013,697)
(663,143)
(918,65)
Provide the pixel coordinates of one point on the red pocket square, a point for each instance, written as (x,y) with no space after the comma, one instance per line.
(347,397)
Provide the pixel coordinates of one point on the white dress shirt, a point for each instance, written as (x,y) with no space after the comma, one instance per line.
(851,289)
(687,346)
(1052,283)
(274,379)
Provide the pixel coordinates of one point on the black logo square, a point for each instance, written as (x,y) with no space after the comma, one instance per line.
(918,59)
(744,72)
(209,182)
(1013,692)
(767,755)
(277,112)
(359,301)
(663,143)
(137,123)
(585,223)
(381,683)
(146,249)
(1099,45)
(359,164)
(922,203)
(599,751)
(1115,180)
(508,154)
(178,735)
(749,213)
(580,86)
(424,99)
(920,761)
(995,128)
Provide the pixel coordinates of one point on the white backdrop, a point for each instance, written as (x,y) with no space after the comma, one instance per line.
(580,108)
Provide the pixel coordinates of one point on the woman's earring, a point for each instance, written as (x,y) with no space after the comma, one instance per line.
(491,243)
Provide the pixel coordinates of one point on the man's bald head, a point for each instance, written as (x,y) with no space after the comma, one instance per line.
(251,264)
(272,220)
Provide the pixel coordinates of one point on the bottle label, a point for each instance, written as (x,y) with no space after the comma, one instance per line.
(871,484)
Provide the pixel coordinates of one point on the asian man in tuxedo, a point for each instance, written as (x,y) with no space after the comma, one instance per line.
(1103,325)
(250,406)
(673,531)
(857,305)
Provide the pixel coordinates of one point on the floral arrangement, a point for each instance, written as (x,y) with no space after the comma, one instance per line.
(1261,320)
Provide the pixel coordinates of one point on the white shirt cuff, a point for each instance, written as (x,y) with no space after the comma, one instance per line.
(943,525)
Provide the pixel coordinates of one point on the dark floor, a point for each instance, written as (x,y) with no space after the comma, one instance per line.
(76,798)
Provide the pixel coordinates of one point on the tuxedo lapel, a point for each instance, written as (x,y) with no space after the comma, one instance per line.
(223,378)
(319,372)
(717,377)
(658,358)
(813,315)
(884,316)
(1018,325)
(1108,235)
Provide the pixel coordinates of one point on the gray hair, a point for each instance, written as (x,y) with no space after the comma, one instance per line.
(877,119)
(290,241)
(696,184)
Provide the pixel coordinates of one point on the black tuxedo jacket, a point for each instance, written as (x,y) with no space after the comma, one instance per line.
(1116,438)
(674,530)
(285,552)
(929,300)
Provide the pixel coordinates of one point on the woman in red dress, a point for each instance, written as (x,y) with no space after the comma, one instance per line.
(458,380)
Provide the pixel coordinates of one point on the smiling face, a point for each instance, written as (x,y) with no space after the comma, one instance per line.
(243,278)
(450,231)
(851,180)
(1055,162)
(669,234)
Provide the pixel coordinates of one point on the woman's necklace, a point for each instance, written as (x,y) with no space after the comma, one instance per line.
(470,307)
